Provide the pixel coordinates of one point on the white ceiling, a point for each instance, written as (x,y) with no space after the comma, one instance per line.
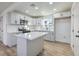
(4,5)
(44,8)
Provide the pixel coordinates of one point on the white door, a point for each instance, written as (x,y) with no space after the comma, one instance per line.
(75,18)
(68,30)
(62,30)
(72,30)
(76,35)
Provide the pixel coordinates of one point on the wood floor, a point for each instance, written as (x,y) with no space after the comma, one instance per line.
(56,49)
(50,49)
(6,51)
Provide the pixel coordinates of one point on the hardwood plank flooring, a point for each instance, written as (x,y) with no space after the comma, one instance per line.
(50,49)
(56,49)
(6,51)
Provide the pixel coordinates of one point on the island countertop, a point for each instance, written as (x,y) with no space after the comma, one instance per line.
(31,35)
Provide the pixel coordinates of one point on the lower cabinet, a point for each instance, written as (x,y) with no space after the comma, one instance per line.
(11,40)
(49,36)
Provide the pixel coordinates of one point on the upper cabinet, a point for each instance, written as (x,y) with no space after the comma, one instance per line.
(14,18)
(62,14)
(48,23)
(17,19)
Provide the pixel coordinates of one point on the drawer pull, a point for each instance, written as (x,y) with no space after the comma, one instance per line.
(77,35)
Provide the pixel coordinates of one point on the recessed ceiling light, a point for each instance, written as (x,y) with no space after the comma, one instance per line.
(50,2)
(54,9)
(36,8)
(26,11)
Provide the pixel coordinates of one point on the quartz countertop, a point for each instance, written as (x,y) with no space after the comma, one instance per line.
(31,35)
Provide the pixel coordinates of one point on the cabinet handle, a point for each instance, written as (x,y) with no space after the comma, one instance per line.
(77,35)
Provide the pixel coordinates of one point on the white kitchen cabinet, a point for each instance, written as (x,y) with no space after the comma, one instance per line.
(11,40)
(49,36)
(30,45)
(15,18)
(62,14)
(36,21)
(48,23)
(18,17)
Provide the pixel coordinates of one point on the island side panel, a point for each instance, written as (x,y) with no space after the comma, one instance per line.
(21,47)
(35,46)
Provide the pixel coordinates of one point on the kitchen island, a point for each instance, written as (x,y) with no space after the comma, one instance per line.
(30,44)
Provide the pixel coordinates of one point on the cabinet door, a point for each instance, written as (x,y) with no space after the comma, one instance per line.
(60,30)
(49,36)
(18,18)
(12,40)
(15,18)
